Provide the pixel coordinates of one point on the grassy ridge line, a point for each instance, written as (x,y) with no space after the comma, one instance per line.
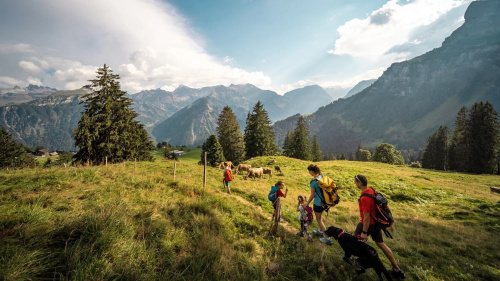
(98,223)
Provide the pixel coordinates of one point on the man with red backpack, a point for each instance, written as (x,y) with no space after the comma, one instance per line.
(369,225)
(228,176)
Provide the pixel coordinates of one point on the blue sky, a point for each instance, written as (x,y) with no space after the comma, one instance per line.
(274,44)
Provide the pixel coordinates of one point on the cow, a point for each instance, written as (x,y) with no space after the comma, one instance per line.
(243,167)
(254,172)
(278,169)
(271,162)
(268,171)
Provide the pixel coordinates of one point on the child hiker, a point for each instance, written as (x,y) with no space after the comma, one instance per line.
(275,193)
(305,217)
(228,176)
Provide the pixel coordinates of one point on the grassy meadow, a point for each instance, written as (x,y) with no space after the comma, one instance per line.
(111,223)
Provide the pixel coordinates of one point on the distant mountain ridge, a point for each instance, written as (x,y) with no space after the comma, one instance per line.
(194,123)
(413,98)
(18,95)
(45,121)
(359,87)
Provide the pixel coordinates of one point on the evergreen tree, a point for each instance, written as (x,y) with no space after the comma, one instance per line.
(287,145)
(108,126)
(300,141)
(13,154)
(316,150)
(441,149)
(230,137)
(259,135)
(429,154)
(483,138)
(342,157)
(214,151)
(386,153)
(458,153)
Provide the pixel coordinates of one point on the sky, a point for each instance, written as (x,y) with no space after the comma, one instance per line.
(278,45)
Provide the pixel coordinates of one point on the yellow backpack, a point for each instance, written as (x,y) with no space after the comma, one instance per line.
(329,189)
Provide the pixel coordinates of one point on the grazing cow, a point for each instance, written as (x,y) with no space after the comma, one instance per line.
(243,167)
(271,162)
(495,189)
(255,172)
(278,169)
(268,171)
(230,165)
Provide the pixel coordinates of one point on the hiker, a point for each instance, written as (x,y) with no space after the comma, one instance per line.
(305,217)
(367,227)
(228,176)
(275,193)
(318,209)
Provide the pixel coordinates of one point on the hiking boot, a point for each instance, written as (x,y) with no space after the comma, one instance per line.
(281,220)
(309,238)
(327,241)
(301,234)
(398,273)
(319,233)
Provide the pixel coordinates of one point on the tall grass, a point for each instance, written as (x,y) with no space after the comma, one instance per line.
(111,223)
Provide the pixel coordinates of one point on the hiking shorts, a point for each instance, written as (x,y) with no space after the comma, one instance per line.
(226,183)
(373,231)
(318,209)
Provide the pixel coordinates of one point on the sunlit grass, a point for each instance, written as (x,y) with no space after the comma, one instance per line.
(102,223)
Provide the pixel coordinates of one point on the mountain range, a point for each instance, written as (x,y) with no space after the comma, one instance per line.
(193,124)
(413,98)
(19,95)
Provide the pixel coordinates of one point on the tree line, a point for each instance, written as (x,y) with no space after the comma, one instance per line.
(473,146)
(232,145)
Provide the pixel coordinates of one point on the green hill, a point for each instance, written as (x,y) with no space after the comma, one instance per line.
(103,223)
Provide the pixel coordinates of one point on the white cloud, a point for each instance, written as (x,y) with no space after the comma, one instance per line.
(390,26)
(30,67)
(15,48)
(146,42)
(34,81)
(9,82)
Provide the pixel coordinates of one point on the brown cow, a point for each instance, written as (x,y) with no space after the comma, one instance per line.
(229,164)
(243,167)
(255,172)
(268,171)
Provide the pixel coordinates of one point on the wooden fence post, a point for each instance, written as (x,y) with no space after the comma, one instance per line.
(106,161)
(175,166)
(205,170)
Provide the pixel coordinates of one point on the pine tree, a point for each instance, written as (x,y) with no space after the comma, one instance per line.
(429,154)
(458,153)
(316,150)
(259,136)
(214,151)
(483,138)
(300,141)
(108,127)
(230,137)
(441,149)
(287,145)
(13,154)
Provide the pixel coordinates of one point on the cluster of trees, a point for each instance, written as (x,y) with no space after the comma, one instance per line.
(473,146)
(232,145)
(298,145)
(12,153)
(108,127)
(384,153)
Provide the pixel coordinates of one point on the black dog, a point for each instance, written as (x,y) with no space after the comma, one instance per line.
(368,257)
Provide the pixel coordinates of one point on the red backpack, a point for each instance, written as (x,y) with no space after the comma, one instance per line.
(229,175)
(309,211)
